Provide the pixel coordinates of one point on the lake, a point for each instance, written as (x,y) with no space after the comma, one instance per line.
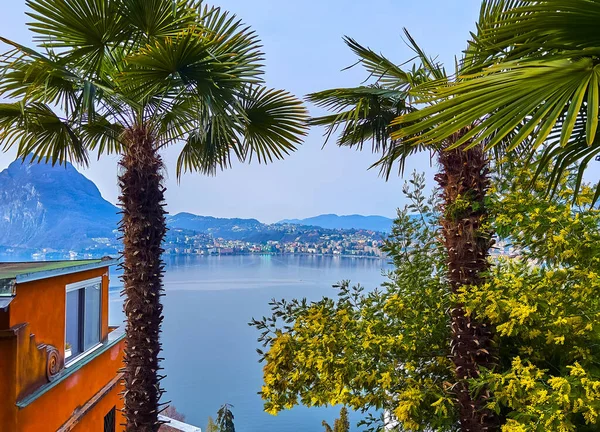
(209,349)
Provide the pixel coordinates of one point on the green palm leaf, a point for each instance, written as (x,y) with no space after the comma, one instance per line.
(363,115)
(515,29)
(102,136)
(82,30)
(268,125)
(209,148)
(40,132)
(274,123)
(157,19)
(534,93)
(214,59)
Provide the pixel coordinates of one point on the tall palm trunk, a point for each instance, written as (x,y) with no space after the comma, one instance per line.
(143,227)
(464,182)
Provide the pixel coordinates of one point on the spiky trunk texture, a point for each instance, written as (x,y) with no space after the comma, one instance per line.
(464,181)
(144,227)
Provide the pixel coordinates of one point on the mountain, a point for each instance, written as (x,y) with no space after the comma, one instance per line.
(333,221)
(230,229)
(52,207)
(60,210)
(250,230)
(194,222)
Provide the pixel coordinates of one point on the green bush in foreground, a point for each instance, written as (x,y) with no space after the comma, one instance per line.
(389,348)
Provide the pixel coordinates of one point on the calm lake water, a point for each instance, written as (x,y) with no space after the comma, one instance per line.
(209,349)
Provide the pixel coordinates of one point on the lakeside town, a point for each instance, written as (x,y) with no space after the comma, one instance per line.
(355,243)
(276,239)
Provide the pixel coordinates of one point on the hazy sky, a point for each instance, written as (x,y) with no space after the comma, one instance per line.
(304,53)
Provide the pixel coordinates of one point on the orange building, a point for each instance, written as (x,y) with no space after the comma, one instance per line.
(59,359)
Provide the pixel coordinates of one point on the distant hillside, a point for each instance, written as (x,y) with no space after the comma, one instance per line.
(208,223)
(250,230)
(60,210)
(333,221)
(52,207)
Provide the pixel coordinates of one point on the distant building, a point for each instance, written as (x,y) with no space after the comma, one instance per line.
(59,359)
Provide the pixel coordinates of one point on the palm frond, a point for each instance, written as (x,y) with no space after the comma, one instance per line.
(514,29)
(156,19)
(36,79)
(82,30)
(383,70)
(209,147)
(38,131)
(214,63)
(575,155)
(363,114)
(274,123)
(398,153)
(233,43)
(535,95)
(432,68)
(268,125)
(102,136)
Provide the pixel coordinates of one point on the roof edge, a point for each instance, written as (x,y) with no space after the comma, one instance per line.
(45,274)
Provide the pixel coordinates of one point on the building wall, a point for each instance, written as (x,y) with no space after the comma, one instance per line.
(94,420)
(53,409)
(8,411)
(42,305)
(36,318)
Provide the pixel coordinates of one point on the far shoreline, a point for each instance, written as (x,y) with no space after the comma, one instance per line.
(282,254)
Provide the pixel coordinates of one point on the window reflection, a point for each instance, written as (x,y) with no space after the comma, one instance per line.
(83,318)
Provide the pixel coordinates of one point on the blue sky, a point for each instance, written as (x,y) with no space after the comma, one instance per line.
(304,53)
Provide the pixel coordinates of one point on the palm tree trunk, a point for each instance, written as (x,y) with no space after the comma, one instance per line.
(144,227)
(464,182)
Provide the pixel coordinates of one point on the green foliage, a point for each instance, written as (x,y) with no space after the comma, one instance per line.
(530,77)
(363,114)
(340,424)
(225,419)
(388,348)
(349,350)
(211,426)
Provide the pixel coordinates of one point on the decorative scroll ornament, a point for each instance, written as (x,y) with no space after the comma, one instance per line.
(53,363)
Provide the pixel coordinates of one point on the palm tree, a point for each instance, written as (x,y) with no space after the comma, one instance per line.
(364,115)
(531,76)
(132,77)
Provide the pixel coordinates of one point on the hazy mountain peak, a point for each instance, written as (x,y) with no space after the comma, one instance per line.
(52,206)
(355,221)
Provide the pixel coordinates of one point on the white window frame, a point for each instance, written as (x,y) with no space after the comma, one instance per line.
(74,287)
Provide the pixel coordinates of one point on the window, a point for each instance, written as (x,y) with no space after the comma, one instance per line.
(109,421)
(84,303)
